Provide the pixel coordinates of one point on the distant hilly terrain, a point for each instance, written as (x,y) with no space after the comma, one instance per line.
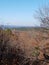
(20,27)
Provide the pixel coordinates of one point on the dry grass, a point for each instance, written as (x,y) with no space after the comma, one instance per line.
(24,40)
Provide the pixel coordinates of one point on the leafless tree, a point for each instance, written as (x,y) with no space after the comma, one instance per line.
(43,16)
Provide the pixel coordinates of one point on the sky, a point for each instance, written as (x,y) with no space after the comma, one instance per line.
(20,12)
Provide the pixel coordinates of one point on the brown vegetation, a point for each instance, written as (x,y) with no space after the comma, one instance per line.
(23,47)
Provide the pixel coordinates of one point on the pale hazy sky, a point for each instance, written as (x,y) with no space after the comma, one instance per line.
(20,12)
